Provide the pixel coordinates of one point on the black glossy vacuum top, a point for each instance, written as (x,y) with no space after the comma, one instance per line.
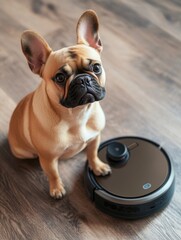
(139,167)
(142,179)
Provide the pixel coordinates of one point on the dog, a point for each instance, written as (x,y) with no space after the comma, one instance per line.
(63,115)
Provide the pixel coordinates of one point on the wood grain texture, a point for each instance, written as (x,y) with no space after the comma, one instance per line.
(142,58)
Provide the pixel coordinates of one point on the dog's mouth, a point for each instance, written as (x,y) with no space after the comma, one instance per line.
(83,89)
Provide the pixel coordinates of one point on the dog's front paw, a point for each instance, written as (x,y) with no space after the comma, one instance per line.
(101,169)
(57,191)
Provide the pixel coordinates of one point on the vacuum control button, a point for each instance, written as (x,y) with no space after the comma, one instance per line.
(117,152)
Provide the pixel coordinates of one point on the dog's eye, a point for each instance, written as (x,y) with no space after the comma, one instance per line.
(59,78)
(96,68)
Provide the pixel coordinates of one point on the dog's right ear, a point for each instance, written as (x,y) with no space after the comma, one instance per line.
(35,49)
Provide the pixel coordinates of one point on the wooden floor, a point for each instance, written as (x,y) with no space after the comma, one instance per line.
(142,58)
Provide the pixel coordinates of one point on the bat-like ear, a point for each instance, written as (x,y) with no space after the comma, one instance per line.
(87,30)
(35,49)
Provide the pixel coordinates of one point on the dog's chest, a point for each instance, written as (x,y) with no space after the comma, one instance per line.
(74,140)
(74,135)
(83,133)
(77,133)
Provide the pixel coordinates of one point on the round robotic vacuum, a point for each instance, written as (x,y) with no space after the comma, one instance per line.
(142,179)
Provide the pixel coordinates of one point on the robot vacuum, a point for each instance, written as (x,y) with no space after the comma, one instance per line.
(142,179)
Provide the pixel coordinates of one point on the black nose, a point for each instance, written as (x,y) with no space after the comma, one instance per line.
(83,79)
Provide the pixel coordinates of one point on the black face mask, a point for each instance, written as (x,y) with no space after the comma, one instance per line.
(83,89)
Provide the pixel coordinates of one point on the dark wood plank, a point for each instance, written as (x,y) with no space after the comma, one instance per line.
(142,57)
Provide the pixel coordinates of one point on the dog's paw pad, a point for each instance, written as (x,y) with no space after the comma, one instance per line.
(102,169)
(57,193)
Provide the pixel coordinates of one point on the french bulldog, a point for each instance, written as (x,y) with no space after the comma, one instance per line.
(63,115)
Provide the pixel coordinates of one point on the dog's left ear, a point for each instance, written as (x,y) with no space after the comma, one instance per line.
(87,30)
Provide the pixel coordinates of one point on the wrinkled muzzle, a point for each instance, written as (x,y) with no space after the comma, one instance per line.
(83,89)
